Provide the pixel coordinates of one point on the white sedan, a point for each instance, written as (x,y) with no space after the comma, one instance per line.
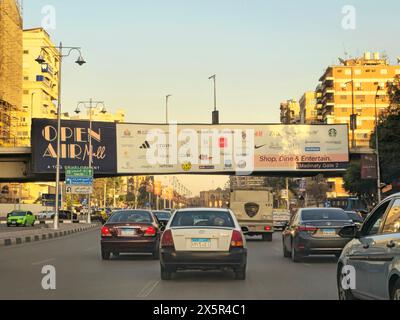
(203,239)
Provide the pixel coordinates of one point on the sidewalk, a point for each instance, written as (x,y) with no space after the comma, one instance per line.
(29,236)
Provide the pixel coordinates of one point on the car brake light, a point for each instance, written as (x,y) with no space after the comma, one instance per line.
(167,240)
(237,240)
(105,232)
(306,229)
(150,232)
(267,228)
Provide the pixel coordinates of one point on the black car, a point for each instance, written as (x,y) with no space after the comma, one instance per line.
(315,231)
(131,231)
(163,216)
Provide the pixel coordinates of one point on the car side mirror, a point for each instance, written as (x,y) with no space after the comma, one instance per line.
(349,232)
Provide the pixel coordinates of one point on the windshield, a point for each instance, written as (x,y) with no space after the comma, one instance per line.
(330,215)
(164,215)
(131,217)
(203,219)
(18,214)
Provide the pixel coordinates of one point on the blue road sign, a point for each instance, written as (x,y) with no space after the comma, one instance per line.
(79,181)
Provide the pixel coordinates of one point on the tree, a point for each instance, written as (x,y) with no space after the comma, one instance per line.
(364,189)
(317,189)
(389,135)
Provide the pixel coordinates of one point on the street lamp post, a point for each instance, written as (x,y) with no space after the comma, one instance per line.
(91,105)
(378,160)
(215,114)
(80,61)
(167,107)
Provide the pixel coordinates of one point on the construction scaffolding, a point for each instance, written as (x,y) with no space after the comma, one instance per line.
(10,69)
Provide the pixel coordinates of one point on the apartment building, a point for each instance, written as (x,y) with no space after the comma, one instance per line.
(308,108)
(10,70)
(349,92)
(290,112)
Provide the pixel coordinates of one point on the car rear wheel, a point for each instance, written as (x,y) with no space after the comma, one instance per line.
(105,255)
(268,237)
(240,274)
(396,291)
(295,255)
(166,274)
(286,252)
(156,254)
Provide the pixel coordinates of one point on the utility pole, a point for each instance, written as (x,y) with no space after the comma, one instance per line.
(378,160)
(215,114)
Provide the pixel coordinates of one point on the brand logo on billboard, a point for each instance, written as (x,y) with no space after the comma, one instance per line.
(146,145)
(313,149)
(260,146)
(223,143)
(333,133)
(187,166)
(127,133)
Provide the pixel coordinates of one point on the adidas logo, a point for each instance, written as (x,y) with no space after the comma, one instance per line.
(146,145)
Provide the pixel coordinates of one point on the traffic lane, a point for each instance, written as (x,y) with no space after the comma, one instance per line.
(270,276)
(81,274)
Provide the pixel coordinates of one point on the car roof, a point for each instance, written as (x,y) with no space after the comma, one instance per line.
(203,210)
(318,209)
(396,195)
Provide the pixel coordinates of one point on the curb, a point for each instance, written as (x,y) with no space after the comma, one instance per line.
(17,240)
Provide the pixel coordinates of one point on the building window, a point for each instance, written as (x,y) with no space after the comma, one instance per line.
(26,51)
(26,91)
(26,78)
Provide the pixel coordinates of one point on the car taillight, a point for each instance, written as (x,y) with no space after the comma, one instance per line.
(237,240)
(167,240)
(307,229)
(150,232)
(267,228)
(105,232)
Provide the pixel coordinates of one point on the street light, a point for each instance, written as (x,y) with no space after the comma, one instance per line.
(41,60)
(91,105)
(378,160)
(167,111)
(215,114)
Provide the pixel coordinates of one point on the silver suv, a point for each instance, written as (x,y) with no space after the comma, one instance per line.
(369,267)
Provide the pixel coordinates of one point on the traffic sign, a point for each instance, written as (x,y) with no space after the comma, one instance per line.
(79,181)
(85,190)
(79,172)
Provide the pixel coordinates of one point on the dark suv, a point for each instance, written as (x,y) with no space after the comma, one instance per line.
(373,255)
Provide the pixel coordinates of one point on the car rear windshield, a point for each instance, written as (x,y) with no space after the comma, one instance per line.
(18,214)
(162,214)
(330,215)
(203,219)
(131,217)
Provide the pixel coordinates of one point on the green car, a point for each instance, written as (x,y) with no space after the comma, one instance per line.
(20,218)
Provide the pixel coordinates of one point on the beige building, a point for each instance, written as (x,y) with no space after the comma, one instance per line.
(40,82)
(290,112)
(308,108)
(355,87)
(10,70)
(215,198)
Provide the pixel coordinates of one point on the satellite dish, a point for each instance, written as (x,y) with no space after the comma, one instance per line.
(398,59)
(342,61)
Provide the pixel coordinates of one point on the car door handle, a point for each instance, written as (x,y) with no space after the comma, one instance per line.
(391,245)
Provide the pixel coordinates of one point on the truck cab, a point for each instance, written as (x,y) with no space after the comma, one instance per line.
(254,211)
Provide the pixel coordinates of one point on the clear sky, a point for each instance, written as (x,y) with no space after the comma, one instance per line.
(262,51)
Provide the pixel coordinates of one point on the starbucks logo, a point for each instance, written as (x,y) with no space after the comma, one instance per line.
(333,133)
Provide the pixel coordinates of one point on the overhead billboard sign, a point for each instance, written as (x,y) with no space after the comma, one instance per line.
(242,149)
(74,145)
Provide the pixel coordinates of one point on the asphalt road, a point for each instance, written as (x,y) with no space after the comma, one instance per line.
(81,274)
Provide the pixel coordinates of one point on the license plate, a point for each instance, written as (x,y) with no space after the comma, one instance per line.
(201,243)
(127,232)
(329,232)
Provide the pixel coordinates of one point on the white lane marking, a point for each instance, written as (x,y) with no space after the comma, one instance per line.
(43,262)
(148,289)
(307,264)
